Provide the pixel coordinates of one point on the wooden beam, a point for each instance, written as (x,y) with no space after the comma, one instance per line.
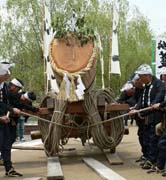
(34,178)
(37,148)
(30,127)
(77,108)
(116,107)
(103,171)
(54,170)
(113,158)
(27,147)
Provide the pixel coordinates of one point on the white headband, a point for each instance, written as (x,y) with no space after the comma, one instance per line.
(135,78)
(17,83)
(27,97)
(127,86)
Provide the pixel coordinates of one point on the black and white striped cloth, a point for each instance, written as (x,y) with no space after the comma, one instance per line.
(1,92)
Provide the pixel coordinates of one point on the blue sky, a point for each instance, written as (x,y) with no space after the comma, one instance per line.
(155,11)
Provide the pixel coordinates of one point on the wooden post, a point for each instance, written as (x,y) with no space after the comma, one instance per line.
(113,158)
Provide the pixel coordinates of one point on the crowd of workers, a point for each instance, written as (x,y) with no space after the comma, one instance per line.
(12,101)
(144,90)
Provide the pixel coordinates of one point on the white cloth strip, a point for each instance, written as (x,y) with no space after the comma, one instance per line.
(68,84)
(80,88)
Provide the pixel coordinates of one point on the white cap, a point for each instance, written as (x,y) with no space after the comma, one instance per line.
(4,68)
(17,83)
(127,86)
(162,71)
(144,69)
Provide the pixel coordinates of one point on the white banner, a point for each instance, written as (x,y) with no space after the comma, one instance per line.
(160,55)
(47,38)
(115,65)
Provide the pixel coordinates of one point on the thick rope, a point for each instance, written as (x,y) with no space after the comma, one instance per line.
(98,132)
(100,136)
(52,140)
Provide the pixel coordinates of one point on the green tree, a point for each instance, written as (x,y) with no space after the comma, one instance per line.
(21,41)
(134,41)
(22,31)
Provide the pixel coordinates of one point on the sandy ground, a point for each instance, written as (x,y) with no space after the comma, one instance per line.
(34,163)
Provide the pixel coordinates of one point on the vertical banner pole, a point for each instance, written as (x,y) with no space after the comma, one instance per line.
(153,47)
(109,65)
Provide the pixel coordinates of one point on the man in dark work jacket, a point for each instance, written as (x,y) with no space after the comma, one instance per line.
(15,85)
(153,92)
(5,134)
(14,95)
(138,84)
(127,92)
(15,101)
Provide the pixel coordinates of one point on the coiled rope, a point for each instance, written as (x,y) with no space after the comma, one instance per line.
(53,136)
(99,134)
